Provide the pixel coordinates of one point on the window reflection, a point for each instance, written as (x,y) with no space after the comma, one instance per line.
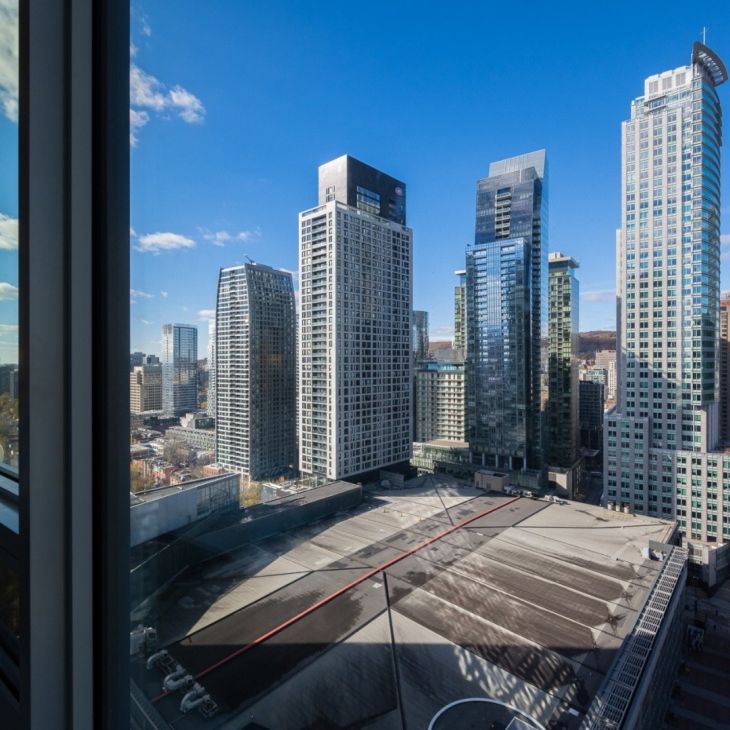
(9,84)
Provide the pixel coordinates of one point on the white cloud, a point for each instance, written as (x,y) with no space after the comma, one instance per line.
(189,107)
(8,328)
(725,239)
(9,59)
(8,291)
(221,238)
(218,238)
(8,231)
(144,27)
(137,294)
(137,120)
(163,294)
(145,321)
(148,94)
(600,295)
(157,242)
(206,313)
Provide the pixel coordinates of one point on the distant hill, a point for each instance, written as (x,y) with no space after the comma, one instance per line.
(591,342)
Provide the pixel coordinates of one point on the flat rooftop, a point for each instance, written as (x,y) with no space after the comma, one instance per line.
(414,599)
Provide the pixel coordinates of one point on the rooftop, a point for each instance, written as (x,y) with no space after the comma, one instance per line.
(414,599)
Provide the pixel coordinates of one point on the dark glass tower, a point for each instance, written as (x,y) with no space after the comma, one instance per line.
(562,411)
(506,285)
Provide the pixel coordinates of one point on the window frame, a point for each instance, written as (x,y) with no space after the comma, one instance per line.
(71,490)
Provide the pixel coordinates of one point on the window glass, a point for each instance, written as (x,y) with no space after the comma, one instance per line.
(9,86)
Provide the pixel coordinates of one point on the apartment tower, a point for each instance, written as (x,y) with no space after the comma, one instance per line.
(355,258)
(255,356)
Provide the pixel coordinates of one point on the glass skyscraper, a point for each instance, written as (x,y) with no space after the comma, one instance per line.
(562,411)
(419,334)
(659,457)
(460,314)
(506,312)
(179,369)
(255,361)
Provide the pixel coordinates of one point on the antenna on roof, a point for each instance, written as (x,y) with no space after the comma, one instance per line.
(704,35)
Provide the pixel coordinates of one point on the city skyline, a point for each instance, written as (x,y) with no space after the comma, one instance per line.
(246,204)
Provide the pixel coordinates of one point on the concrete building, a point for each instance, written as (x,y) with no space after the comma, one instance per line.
(9,380)
(562,410)
(725,369)
(145,388)
(460,314)
(255,356)
(506,309)
(355,323)
(179,368)
(405,602)
(606,360)
(440,393)
(162,510)
(211,367)
(660,442)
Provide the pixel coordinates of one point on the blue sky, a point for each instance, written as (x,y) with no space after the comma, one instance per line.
(237,102)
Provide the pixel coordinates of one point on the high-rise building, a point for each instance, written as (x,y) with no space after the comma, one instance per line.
(355,323)
(419,334)
(506,312)
(660,441)
(460,313)
(179,369)
(562,411)
(211,367)
(606,360)
(136,359)
(591,397)
(9,380)
(255,353)
(440,399)
(145,388)
(725,369)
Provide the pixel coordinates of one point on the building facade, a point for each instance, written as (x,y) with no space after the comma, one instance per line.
(419,334)
(255,354)
(211,367)
(660,441)
(460,313)
(440,402)
(355,259)
(145,388)
(562,411)
(179,368)
(606,360)
(506,311)
(725,370)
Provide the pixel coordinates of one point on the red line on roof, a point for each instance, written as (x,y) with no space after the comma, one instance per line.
(335,594)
